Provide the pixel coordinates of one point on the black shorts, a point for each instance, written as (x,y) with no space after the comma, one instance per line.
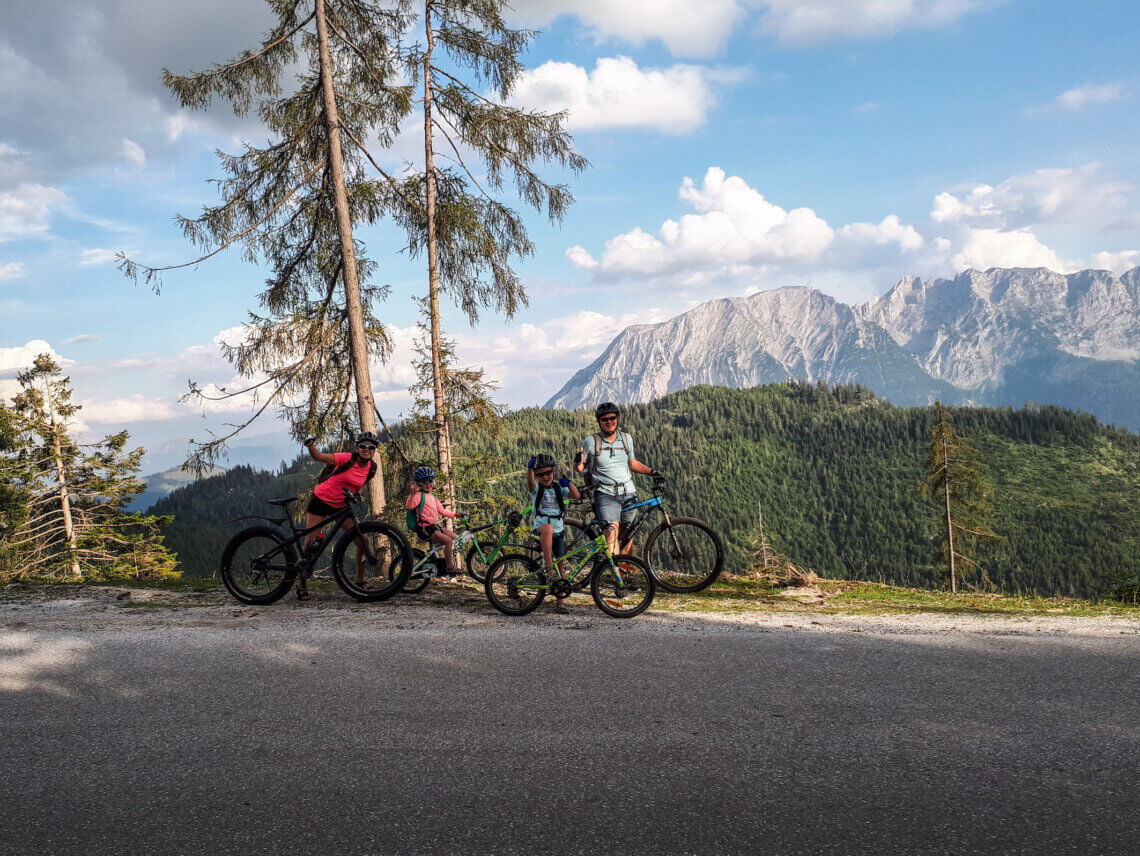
(321,508)
(426,530)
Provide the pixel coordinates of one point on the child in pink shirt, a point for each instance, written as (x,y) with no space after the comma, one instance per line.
(427,520)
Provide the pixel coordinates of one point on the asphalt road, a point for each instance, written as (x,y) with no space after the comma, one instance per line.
(572,736)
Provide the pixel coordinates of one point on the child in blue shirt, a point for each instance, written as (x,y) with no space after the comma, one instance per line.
(549,501)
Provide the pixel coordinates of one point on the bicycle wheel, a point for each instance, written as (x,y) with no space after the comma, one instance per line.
(375,573)
(515,585)
(416,584)
(626,593)
(259,565)
(477,568)
(685,555)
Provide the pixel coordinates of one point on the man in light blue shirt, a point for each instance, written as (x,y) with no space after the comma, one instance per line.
(609,459)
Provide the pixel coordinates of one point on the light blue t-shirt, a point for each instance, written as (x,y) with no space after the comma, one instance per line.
(546,511)
(612,475)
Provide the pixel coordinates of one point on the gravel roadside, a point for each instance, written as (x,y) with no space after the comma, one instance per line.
(461,606)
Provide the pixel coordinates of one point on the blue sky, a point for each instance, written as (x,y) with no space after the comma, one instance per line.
(737,145)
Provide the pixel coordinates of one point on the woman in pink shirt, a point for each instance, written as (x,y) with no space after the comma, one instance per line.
(427,519)
(353,471)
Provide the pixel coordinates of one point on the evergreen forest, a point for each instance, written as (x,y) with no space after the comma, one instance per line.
(835,469)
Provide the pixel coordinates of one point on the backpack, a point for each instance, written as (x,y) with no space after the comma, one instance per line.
(592,469)
(331,470)
(557,488)
(412,518)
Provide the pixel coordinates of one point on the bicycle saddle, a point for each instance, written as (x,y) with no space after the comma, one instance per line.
(284,502)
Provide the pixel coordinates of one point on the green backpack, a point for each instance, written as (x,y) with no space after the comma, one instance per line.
(412,518)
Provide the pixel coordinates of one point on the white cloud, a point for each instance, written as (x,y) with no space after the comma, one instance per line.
(180,123)
(82,338)
(96,256)
(133,152)
(618,94)
(135,408)
(1117,262)
(986,248)
(866,107)
(890,230)
(26,212)
(734,225)
(17,359)
(686,28)
(821,20)
(1080,97)
(1078,195)
(11,270)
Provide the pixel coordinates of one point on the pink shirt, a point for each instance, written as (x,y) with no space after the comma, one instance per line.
(332,490)
(433,508)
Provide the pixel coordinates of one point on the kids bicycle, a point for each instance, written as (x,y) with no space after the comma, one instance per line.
(431,564)
(685,555)
(621,586)
(259,563)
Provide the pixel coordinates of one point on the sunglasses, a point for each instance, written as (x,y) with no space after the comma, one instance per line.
(367,447)
(608,419)
(543,473)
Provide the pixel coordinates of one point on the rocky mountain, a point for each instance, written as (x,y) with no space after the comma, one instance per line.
(1002,336)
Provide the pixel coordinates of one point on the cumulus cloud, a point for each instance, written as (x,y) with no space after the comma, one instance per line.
(734,224)
(986,248)
(1081,195)
(11,270)
(1080,97)
(889,230)
(618,94)
(20,358)
(26,211)
(1117,262)
(686,28)
(823,20)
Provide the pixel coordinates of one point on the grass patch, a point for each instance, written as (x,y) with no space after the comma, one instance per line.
(741,594)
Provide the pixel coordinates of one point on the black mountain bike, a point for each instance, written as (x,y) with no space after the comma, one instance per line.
(371,561)
(684,554)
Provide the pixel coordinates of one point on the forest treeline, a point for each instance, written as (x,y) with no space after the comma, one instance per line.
(835,469)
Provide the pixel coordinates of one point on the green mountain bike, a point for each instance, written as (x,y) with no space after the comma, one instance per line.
(621,586)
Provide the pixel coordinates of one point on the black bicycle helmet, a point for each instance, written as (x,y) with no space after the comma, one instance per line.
(544,461)
(606,407)
(367,437)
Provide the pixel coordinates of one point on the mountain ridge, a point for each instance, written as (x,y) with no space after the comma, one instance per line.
(994,337)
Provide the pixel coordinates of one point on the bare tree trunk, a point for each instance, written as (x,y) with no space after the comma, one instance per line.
(442,431)
(366,405)
(949,519)
(61,477)
(763,542)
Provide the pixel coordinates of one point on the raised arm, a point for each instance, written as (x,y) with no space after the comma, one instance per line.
(316,454)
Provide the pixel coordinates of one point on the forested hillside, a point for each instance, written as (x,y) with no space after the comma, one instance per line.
(837,471)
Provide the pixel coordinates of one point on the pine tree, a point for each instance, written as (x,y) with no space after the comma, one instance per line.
(956,484)
(294,202)
(470,236)
(75,524)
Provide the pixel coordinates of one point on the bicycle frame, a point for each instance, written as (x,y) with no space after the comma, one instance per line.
(489,557)
(299,533)
(646,506)
(591,548)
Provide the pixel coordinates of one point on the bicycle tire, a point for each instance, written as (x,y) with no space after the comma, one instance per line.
(476,568)
(629,598)
(240,551)
(384,577)
(687,559)
(502,585)
(415,585)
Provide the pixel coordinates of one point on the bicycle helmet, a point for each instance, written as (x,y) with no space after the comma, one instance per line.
(545,461)
(367,437)
(423,474)
(605,408)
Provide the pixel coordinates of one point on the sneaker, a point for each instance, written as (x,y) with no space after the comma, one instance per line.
(560,608)
(620,592)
